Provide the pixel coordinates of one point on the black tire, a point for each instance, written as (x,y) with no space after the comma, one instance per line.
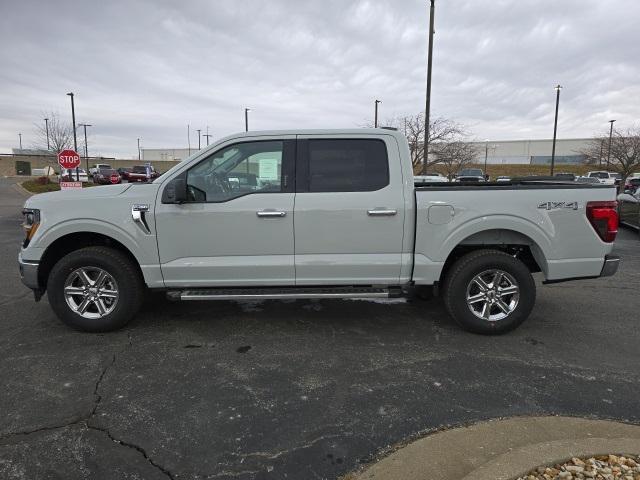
(460,279)
(128,281)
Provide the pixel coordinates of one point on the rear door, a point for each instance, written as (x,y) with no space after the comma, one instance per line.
(349,210)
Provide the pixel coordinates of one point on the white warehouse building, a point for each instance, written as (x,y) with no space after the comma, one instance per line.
(568,150)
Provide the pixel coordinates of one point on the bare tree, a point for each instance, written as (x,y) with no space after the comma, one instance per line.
(441,130)
(60,134)
(454,155)
(625,151)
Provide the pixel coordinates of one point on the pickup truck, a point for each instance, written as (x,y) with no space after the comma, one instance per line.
(333,214)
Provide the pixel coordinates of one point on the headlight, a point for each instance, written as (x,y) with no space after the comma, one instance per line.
(31,222)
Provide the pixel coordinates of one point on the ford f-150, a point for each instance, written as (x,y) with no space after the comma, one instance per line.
(331,214)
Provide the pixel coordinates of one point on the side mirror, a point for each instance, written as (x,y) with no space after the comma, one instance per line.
(175,191)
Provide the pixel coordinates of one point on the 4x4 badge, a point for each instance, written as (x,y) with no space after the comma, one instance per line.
(556,205)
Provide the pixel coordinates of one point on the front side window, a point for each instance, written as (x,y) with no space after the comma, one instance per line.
(347,165)
(237,170)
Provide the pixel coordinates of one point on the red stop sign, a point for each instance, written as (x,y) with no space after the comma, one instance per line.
(115,178)
(68,159)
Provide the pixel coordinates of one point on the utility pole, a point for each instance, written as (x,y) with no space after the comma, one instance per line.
(86,148)
(189,137)
(555,128)
(46,127)
(138,149)
(427,109)
(20,137)
(75,138)
(199,130)
(246,119)
(207,136)
(375,121)
(610,137)
(486,154)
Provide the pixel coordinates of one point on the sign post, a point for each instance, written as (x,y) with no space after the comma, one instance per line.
(69,159)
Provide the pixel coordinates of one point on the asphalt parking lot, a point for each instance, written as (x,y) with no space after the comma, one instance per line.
(303,389)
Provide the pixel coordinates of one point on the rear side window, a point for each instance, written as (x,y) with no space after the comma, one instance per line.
(347,165)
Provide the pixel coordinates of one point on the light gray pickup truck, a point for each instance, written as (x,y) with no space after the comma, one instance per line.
(312,214)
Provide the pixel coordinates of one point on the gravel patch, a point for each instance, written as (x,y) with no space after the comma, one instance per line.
(604,467)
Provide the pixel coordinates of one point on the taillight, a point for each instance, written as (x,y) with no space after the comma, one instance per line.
(603,217)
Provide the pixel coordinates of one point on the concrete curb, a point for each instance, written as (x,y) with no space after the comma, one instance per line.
(503,449)
(23,191)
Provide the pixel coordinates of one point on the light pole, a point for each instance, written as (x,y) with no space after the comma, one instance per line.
(46,128)
(75,138)
(138,149)
(427,109)
(20,137)
(207,136)
(86,148)
(610,137)
(189,137)
(486,154)
(375,121)
(555,129)
(199,130)
(246,119)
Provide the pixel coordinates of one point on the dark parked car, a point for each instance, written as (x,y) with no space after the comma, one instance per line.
(565,176)
(471,175)
(124,173)
(139,174)
(632,185)
(629,209)
(107,177)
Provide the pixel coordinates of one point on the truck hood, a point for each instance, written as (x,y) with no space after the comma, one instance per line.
(92,195)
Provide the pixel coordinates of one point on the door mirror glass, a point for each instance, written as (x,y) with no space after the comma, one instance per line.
(175,191)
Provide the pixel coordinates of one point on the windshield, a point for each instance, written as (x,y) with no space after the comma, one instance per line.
(599,175)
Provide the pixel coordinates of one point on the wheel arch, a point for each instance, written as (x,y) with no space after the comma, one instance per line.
(513,242)
(71,242)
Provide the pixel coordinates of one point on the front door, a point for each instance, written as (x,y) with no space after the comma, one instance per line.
(349,212)
(236,228)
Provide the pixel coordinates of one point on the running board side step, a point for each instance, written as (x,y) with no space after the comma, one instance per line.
(279,293)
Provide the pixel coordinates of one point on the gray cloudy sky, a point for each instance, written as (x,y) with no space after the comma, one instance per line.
(147,68)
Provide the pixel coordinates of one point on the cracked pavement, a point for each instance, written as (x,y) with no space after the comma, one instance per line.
(299,389)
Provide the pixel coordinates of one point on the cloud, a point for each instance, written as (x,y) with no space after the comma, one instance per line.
(148,68)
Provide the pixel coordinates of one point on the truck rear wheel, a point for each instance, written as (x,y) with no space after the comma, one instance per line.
(489,292)
(95,289)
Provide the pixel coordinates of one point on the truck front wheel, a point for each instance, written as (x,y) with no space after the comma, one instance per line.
(489,292)
(95,289)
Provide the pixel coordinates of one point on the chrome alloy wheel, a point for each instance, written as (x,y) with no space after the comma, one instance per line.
(91,292)
(493,295)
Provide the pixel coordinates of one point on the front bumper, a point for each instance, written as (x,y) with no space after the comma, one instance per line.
(28,272)
(610,267)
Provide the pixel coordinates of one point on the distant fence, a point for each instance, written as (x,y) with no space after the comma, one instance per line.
(17,164)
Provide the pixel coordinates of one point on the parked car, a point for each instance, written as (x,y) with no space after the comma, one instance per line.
(503,178)
(603,176)
(470,175)
(629,209)
(139,173)
(590,180)
(107,176)
(70,175)
(571,177)
(99,166)
(429,177)
(632,185)
(361,230)
(124,173)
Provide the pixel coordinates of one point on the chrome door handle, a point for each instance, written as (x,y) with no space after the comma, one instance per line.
(270,213)
(381,212)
